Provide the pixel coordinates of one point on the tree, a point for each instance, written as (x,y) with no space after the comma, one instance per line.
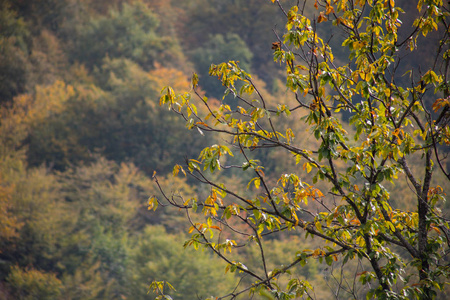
(251,20)
(128,33)
(340,191)
(33,284)
(13,53)
(156,254)
(220,48)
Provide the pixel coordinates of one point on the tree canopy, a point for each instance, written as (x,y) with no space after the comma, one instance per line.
(338,189)
(315,161)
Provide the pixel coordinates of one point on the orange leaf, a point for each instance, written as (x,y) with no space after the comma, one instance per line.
(440,103)
(216,227)
(321,17)
(330,9)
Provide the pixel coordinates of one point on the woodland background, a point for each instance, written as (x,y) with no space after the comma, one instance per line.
(81,133)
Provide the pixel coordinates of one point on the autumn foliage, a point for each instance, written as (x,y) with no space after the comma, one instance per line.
(339,191)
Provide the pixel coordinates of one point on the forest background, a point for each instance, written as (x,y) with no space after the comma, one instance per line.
(81,133)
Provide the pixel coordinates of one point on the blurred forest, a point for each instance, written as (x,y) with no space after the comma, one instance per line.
(81,132)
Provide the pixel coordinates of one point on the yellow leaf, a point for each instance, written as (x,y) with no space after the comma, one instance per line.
(194,80)
(257,183)
(294,215)
(152,203)
(177,169)
(319,226)
(391,226)
(307,167)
